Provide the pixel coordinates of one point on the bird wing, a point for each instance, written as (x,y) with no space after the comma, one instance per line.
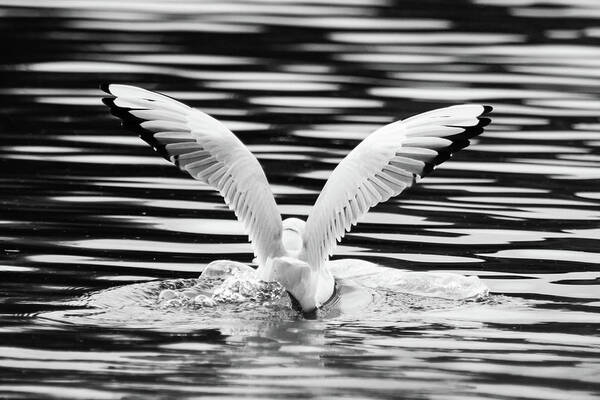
(209,152)
(382,166)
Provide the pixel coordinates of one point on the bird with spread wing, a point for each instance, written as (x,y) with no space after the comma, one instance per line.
(294,252)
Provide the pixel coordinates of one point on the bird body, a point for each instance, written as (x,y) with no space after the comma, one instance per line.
(310,287)
(294,252)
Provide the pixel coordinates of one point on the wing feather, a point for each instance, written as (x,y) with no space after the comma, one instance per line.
(209,152)
(382,166)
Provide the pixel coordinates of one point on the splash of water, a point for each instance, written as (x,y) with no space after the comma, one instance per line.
(223,282)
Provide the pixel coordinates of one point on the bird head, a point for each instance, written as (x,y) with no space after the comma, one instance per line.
(292,236)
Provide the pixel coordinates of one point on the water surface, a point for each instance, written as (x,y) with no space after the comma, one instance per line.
(87,207)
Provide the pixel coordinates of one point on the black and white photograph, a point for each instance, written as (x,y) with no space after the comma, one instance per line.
(300,199)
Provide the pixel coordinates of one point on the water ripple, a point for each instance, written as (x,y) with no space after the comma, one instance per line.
(93,222)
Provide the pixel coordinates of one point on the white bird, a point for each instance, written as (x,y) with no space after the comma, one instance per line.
(294,252)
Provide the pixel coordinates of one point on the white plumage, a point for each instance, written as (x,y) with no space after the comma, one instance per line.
(293,252)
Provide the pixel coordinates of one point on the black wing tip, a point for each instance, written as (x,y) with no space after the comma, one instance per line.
(461,140)
(132,124)
(105,87)
(471,131)
(484,121)
(109,102)
(117,111)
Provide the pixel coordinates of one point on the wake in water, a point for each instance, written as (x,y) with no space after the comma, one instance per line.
(230,282)
(229,296)
(359,284)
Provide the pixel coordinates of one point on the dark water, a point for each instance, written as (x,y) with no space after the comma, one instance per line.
(86,206)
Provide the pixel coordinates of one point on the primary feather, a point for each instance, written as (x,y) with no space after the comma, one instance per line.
(382,166)
(209,152)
